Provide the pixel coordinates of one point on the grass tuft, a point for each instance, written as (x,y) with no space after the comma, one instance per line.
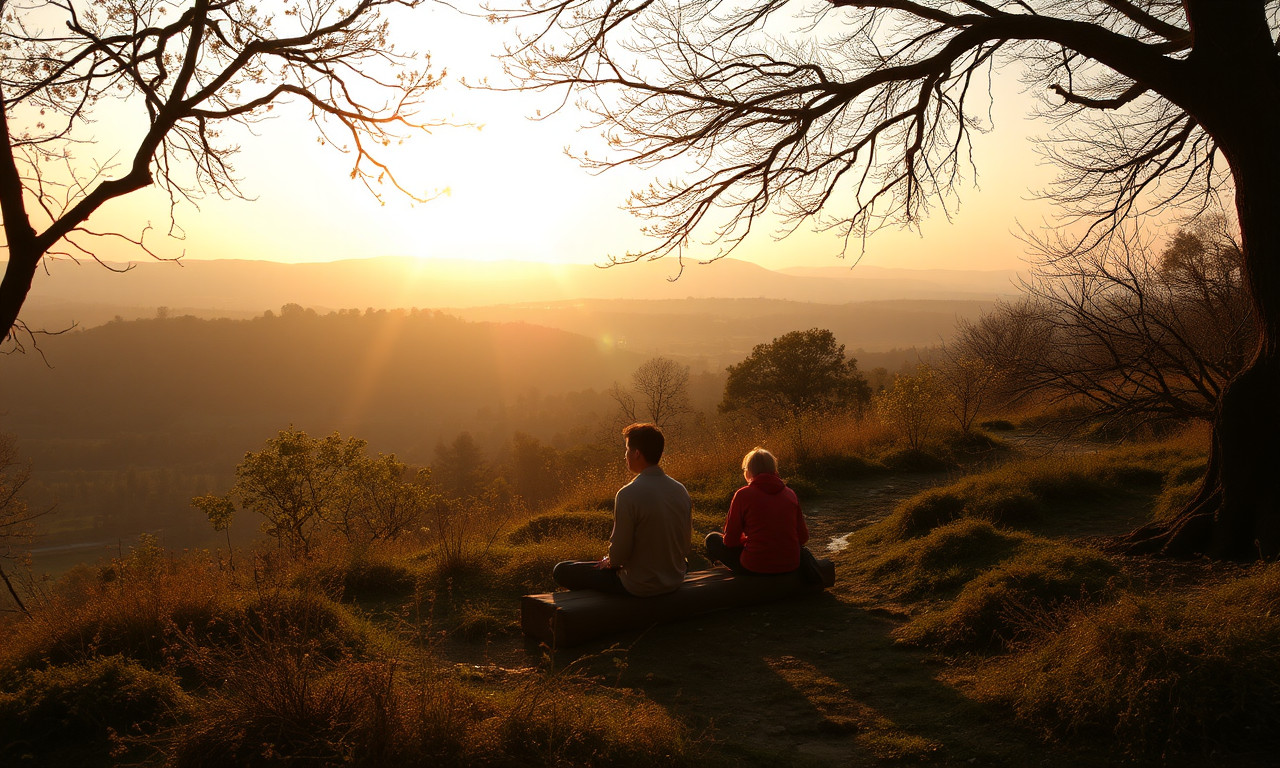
(1161,674)
(1003,604)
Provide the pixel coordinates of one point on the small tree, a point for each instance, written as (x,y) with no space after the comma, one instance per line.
(220,510)
(795,375)
(913,405)
(306,486)
(659,394)
(967,383)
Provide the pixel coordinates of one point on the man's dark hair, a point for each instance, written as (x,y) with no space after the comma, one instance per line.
(647,438)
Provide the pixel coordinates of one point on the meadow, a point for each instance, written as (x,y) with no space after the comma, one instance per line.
(980,617)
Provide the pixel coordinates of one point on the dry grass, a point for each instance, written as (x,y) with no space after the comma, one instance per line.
(1195,672)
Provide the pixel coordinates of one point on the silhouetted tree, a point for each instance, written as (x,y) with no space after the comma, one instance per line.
(1136,336)
(459,468)
(966,383)
(184,72)
(534,469)
(659,394)
(865,115)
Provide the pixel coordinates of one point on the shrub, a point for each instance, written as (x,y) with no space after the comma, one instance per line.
(86,706)
(128,610)
(1160,674)
(555,720)
(839,466)
(361,578)
(916,460)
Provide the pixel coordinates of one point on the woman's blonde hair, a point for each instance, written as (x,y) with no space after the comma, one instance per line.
(758,461)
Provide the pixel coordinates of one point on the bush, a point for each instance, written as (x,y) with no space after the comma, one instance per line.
(840,466)
(1159,674)
(127,610)
(916,460)
(1006,602)
(86,706)
(556,720)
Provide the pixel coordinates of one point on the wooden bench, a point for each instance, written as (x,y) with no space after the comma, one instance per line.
(565,619)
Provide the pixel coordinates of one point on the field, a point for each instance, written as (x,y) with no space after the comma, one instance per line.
(979,618)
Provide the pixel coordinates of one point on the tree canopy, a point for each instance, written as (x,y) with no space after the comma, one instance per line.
(798,373)
(185,73)
(862,117)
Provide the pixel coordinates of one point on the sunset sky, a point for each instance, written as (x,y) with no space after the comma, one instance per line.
(513,193)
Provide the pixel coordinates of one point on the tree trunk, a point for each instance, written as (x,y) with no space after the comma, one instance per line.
(1236,513)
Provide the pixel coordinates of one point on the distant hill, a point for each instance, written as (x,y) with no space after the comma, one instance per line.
(719,332)
(184,391)
(90,295)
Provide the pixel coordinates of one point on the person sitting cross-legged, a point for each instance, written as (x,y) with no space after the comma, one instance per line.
(652,529)
(765,530)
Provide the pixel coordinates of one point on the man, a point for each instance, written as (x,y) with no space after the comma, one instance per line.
(652,528)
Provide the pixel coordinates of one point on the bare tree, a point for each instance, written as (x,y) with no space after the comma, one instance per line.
(1136,336)
(967,383)
(913,405)
(863,116)
(185,71)
(659,393)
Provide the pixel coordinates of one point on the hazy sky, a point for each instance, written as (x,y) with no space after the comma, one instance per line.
(513,193)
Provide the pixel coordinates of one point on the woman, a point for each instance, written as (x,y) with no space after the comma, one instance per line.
(765,528)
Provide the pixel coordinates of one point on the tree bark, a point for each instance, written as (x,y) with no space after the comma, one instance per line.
(1236,513)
